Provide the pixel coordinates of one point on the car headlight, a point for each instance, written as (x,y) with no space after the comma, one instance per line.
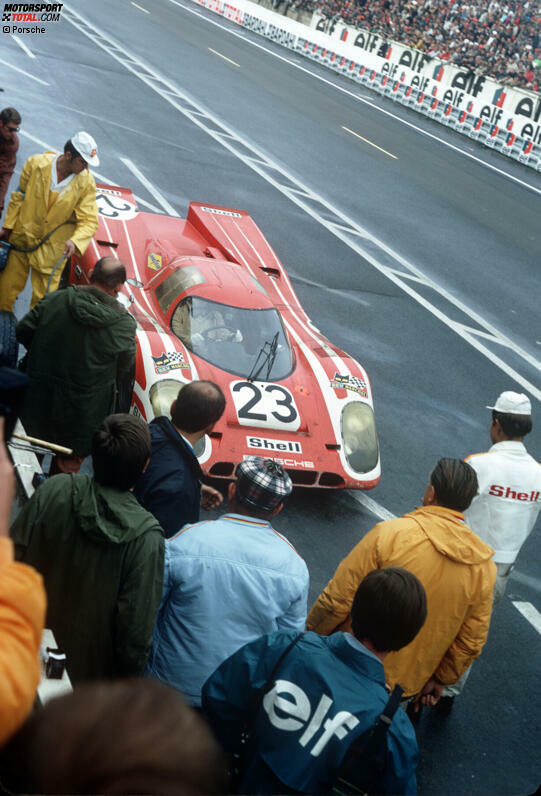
(360,438)
(162,394)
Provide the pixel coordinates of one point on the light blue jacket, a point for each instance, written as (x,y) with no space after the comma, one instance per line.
(226,582)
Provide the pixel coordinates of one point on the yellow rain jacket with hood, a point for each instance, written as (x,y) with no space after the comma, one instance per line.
(456,569)
(34,210)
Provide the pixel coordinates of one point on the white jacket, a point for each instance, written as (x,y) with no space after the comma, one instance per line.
(506,508)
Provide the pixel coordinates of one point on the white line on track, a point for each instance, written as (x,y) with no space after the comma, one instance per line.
(140,7)
(373,250)
(150,187)
(23,46)
(530,613)
(27,74)
(354,95)
(372,505)
(95,174)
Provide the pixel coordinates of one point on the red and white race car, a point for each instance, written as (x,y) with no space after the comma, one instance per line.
(212,301)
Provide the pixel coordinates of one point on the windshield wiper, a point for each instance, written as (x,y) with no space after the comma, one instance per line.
(267,353)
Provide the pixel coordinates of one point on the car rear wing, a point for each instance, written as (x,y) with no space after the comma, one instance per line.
(234,236)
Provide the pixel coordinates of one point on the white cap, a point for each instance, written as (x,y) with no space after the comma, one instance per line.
(512,403)
(86,147)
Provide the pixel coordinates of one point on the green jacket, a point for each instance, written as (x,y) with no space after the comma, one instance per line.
(80,341)
(101,556)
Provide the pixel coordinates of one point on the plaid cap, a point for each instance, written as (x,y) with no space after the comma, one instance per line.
(262,483)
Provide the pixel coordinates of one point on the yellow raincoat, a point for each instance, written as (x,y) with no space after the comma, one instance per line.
(33,211)
(456,569)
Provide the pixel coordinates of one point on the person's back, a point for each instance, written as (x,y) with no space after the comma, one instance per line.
(452,563)
(228,582)
(101,557)
(80,340)
(506,508)
(306,699)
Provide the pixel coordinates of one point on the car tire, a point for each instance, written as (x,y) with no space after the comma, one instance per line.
(9,346)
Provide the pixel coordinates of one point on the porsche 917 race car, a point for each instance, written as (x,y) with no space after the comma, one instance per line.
(212,301)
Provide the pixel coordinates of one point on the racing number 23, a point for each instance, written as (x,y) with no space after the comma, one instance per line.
(264,405)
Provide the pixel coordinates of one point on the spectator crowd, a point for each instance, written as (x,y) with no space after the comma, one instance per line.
(188,642)
(496,38)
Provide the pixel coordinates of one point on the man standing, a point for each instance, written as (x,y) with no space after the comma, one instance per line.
(100,554)
(81,342)
(504,511)
(453,565)
(308,704)
(10,120)
(170,488)
(56,200)
(227,582)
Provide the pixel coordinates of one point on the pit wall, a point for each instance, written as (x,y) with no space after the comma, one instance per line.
(505,119)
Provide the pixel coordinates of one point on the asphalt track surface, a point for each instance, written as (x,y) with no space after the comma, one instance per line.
(438,295)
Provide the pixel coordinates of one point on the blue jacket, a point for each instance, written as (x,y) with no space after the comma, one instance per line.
(170,487)
(226,582)
(328,690)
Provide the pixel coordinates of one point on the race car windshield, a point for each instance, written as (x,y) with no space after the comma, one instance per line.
(232,337)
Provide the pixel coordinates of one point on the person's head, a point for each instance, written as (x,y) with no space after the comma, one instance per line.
(120,451)
(123,737)
(80,151)
(389,609)
(511,417)
(10,120)
(452,484)
(261,487)
(109,274)
(198,407)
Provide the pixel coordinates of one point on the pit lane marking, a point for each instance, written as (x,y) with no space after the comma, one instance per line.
(339,224)
(366,141)
(223,56)
(150,187)
(353,94)
(26,74)
(100,177)
(23,46)
(372,505)
(530,613)
(140,7)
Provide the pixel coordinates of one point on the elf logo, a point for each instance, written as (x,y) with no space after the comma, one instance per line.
(288,446)
(288,708)
(507,492)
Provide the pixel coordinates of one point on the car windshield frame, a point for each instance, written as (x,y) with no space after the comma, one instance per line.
(232,338)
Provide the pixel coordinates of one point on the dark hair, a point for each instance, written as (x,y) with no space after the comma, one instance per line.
(68,147)
(10,115)
(199,404)
(455,483)
(513,426)
(120,449)
(123,737)
(108,272)
(389,608)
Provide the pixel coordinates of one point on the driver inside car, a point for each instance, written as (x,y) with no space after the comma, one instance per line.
(206,325)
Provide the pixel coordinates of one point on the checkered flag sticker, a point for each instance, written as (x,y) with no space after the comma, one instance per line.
(175,356)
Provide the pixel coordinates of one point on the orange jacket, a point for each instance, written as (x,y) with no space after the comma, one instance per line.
(22,614)
(455,568)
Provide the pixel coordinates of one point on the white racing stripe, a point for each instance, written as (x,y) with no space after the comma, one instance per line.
(530,613)
(374,251)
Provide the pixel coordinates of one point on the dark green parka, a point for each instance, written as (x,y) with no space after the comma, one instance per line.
(101,556)
(80,341)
